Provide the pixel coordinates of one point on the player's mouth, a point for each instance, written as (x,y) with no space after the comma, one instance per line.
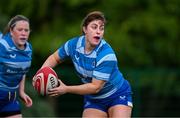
(96,37)
(23,39)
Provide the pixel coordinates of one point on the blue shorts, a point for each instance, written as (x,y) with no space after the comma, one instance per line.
(118,98)
(9,104)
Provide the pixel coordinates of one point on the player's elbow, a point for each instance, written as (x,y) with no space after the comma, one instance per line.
(97,89)
(97,85)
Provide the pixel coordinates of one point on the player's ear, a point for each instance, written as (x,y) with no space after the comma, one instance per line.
(84,29)
(10,31)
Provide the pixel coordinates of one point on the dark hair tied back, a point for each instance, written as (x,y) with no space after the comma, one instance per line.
(95,15)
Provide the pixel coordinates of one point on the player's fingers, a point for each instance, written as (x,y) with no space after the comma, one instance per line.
(54,95)
(29,102)
(52,90)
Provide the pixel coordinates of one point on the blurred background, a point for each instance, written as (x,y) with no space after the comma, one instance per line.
(145,35)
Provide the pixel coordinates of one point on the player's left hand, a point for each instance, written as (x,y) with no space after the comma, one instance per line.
(27,100)
(60,90)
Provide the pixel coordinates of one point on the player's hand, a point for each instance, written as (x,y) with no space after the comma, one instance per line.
(60,90)
(26,99)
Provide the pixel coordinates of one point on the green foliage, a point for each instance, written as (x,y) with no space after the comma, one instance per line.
(162,81)
(143,33)
(146,33)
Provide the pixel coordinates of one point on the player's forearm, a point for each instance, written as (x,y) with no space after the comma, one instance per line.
(83,89)
(52,60)
(22,84)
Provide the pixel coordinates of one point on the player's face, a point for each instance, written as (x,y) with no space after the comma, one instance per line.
(94,32)
(20,33)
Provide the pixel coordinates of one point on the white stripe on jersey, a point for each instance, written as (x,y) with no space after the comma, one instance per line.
(101,75)
(9,48)
(92,55)
(5,86)
(66,48)
(79,43)
(80,49)
(6,45)
(22,65)
(109,57)
(106,94)
(83,71)
(102,43)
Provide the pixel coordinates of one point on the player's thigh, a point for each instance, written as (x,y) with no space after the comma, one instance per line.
(15,116)
(118,111)
(94,113)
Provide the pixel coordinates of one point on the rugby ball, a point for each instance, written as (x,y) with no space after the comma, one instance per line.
(45,79)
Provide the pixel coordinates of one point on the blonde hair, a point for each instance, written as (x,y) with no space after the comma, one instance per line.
(12,23)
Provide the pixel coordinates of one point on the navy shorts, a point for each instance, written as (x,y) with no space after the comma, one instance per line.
(118,98)
(9,104)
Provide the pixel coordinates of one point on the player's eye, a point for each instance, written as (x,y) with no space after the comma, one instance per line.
(21,29)
(26,30)
(93,26)
(101,28)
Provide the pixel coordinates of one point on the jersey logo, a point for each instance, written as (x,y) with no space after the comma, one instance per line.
(12,55)
(122,97)
(76,57)
(94,64)
(87,104)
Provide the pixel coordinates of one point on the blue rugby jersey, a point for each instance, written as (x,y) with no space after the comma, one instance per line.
(14,63)
(100,64)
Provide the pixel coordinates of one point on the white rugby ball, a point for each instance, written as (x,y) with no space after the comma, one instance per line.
(45,79)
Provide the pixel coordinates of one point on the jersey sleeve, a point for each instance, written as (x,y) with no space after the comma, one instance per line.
(105,67)
(66,50)
(2,47)
(2,50)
